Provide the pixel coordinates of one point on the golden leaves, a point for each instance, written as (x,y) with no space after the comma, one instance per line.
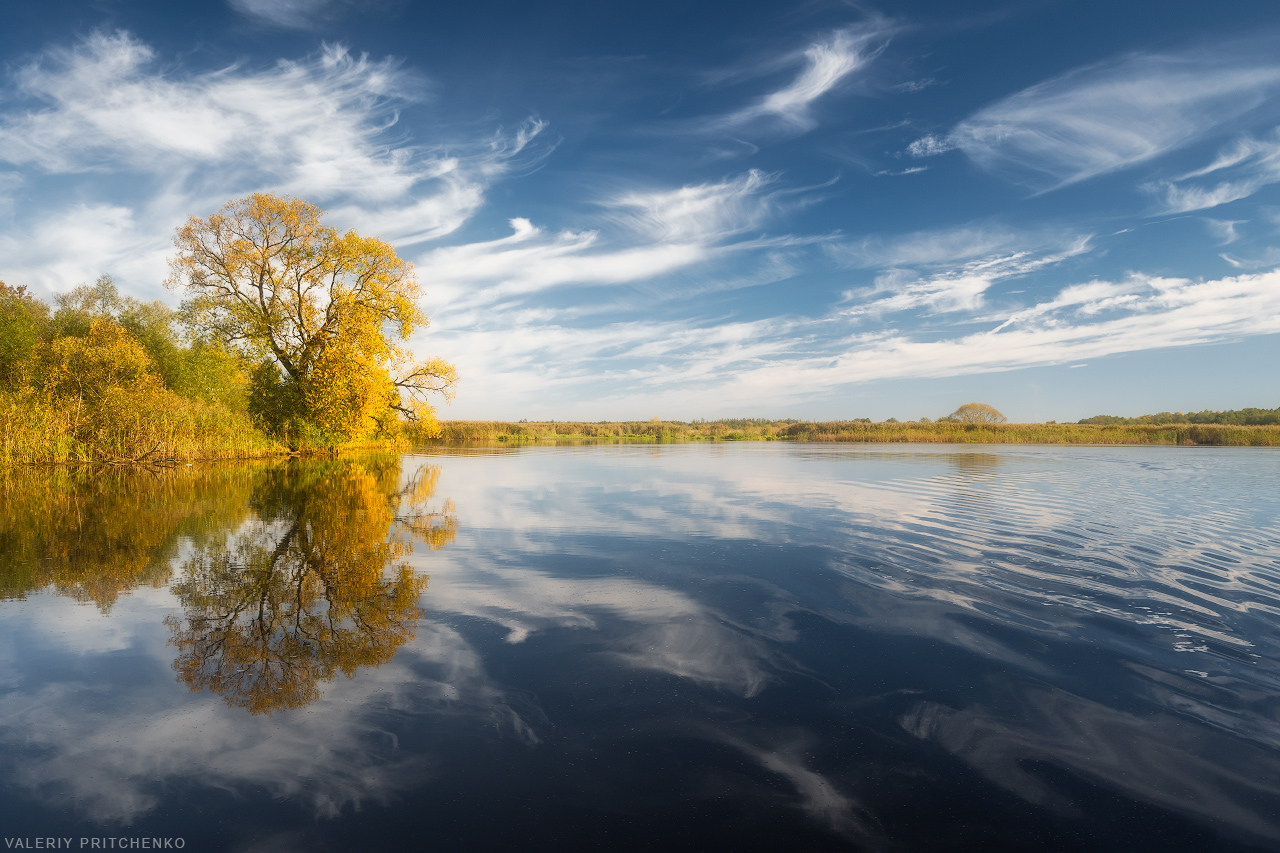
(108,358)
(266,275)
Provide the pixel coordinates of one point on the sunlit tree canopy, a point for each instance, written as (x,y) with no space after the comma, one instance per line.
(323,311)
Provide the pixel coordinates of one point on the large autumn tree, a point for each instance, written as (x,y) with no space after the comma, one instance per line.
(324,312)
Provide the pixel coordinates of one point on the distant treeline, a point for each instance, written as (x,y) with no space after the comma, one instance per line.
(859,430)
(1235,417)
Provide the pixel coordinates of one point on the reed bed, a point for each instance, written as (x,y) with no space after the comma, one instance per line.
(124,427)
(1170,434)
(468,432)
(455,432)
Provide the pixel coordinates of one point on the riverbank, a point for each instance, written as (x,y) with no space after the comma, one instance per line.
(548,432)
(123,428)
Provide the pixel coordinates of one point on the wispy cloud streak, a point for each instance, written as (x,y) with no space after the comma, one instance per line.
(1107,117)
(655,232)
(1249,164)
(1081,321)
(826,65)
(290,14)
(948,271)
(684,365)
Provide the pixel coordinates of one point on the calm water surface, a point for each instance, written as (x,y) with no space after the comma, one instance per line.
(681,647)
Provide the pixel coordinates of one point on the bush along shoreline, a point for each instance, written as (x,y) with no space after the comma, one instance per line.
(105,378)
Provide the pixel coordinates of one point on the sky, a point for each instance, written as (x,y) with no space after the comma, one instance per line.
(703,209)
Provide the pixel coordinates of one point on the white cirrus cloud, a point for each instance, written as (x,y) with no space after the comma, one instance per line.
(650,233)
(930,146)
(1269,258)
(107,238)
(1109,116)
(1224,230)
(290,14)
(827,64)
(317,125)
(1082,321)
(948,271)
(932,249)
(1248,165)
(548,367)
(323,128)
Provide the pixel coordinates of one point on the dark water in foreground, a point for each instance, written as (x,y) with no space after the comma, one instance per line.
(658,648)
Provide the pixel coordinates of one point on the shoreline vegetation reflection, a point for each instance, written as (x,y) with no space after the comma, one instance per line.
(287,573)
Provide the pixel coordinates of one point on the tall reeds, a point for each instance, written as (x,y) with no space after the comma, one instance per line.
(124,426)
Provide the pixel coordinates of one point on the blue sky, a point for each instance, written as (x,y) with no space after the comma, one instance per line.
(704,209)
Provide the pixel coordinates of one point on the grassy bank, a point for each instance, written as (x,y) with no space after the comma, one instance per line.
(37,430)
(1172,434)
(149,428)
(467,432)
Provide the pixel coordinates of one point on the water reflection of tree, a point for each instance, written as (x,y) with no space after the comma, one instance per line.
(973,476)
(93,534)
(316,584)
(975,464)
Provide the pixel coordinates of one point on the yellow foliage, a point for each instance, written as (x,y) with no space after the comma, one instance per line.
(89,368)
(98,397)
(266,275)
(345,394)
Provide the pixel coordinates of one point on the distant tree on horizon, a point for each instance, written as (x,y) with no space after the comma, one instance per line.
(976,413)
